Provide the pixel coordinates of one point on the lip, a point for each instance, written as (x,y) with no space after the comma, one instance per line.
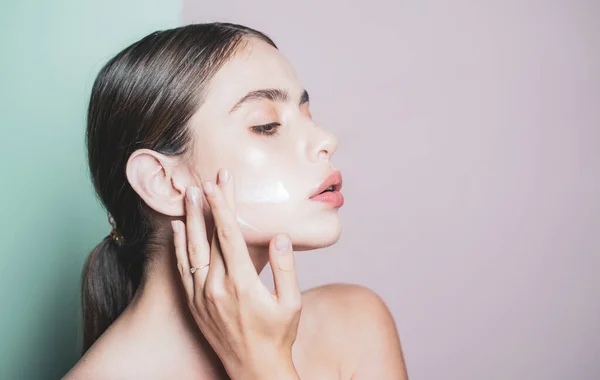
(334,179)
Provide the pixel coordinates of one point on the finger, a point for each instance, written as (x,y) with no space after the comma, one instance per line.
(216,275)
(227,188)
(223,181)
(182,257)
(197,242)
(233,247)
(281,258)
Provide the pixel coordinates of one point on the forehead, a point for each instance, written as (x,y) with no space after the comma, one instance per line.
(255,66)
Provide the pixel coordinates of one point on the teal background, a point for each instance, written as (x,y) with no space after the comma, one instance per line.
(50,53)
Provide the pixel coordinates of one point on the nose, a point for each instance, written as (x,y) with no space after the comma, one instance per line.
(325,145)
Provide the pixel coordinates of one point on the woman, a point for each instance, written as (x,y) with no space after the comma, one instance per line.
(202,148)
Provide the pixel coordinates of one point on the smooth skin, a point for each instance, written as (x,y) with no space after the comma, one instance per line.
(344,331)
(251,329)
(338,331)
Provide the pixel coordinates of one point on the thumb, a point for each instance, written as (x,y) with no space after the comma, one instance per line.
(283,267)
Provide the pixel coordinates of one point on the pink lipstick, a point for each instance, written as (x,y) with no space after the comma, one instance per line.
(329,190)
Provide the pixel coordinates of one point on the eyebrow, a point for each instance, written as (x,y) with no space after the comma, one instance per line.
(272,94)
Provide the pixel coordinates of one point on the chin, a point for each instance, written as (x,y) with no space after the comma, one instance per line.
(321,242)
(317,232)
(321,234)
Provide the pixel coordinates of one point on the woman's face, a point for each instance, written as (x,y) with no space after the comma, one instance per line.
(255,122)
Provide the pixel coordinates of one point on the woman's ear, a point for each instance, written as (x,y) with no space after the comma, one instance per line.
(157,180)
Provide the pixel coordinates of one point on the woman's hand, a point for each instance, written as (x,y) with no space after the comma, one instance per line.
(251,329)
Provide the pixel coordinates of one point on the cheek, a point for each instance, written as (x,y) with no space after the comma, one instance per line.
(259,222)
(257,179)
(262,191)
(270,189)
(264,197)
(308,227)
(266,177)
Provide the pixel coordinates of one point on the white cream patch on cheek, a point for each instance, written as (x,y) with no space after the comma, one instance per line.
(261,182)
(260,203)
(265,192)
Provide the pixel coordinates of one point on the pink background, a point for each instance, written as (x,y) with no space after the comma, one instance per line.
(470,146)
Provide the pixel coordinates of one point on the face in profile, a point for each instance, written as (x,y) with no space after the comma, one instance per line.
(255,122)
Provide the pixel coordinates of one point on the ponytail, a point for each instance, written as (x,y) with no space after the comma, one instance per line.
(143,98)
(107,287)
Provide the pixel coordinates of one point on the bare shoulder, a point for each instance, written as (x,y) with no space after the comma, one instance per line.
(111,354)
(344,293)
(87,368)
(347,306)
(355,322)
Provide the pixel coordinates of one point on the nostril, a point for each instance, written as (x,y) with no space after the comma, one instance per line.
(323,155)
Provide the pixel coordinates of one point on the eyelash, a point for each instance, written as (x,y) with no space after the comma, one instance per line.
(270,129)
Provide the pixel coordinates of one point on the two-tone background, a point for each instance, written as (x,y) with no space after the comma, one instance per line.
(469,141)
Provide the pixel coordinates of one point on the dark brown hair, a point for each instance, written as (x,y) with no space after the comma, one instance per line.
(142,98)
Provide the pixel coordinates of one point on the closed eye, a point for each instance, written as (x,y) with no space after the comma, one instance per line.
(270,129)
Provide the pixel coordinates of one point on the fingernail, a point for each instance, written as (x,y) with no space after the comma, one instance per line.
(282,243)
(175,226)
(192,194)
(208,188)
(223,176)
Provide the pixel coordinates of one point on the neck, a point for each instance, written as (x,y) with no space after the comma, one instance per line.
(163,287)
(160,306)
